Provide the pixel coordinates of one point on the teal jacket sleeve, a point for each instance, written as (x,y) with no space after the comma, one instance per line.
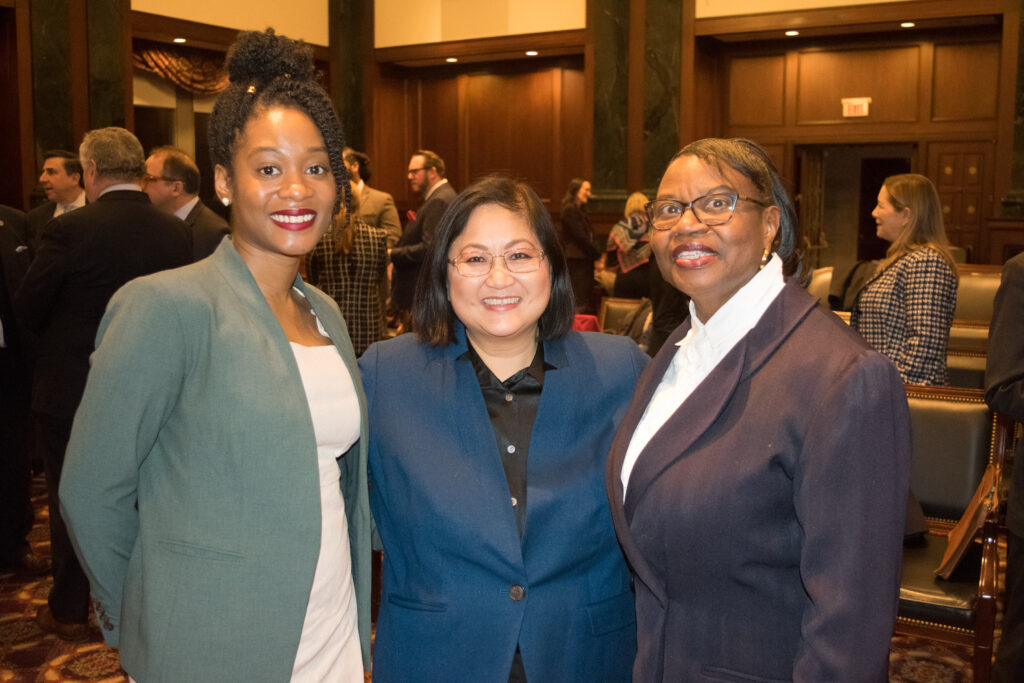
(136,376)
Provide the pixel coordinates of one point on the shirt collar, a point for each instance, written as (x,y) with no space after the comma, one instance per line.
(433,188)
(121,186)
(743,309)
(185,210)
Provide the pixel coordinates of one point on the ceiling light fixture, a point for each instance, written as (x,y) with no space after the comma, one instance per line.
(179,40)
(792,33)
(531,53)
(452,60)
(907,24)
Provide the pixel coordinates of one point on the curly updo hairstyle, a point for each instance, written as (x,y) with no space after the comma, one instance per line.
(268,70)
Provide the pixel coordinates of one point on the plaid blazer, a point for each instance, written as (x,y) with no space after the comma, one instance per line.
(354,280)
(905,313)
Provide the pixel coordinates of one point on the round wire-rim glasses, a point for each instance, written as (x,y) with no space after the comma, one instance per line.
(711,209)
(480,263)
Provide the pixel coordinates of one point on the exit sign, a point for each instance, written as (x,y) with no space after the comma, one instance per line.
(855,106)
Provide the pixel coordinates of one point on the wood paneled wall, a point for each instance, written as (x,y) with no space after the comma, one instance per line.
(521,119)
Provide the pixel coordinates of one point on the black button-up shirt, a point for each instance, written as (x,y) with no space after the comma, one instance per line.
(512,407)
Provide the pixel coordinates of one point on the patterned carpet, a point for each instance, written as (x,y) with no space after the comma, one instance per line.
(28,655)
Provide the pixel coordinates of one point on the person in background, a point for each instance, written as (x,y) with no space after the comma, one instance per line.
(577,240)
(64,184)
(905,310)
(216,477)
(490,429)
(172,183)
(376,208)
(1004,391)
(427,179)
(349,265)
(758,481)
(629,251)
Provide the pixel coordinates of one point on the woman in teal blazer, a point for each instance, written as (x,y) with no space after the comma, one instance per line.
(192,486)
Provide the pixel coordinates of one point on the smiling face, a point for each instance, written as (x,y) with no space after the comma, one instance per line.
(710,264)
(281,188)
(56,183)
(500,307)
(890,222)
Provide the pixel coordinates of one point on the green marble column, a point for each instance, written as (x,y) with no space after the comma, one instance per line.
(610,30)
(351,43)
(107,23)
(51,75)
(662,76)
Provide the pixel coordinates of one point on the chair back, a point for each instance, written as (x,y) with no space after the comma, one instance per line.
(821,281)
(976,292)
(951,431)
(614,312)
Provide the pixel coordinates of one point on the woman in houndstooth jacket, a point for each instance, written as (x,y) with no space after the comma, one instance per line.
(905,311)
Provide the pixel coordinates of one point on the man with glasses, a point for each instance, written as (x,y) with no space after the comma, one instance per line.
(426,178)
(172,183)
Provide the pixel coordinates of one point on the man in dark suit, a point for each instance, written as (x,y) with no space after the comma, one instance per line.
(83,258)
(61,180)
(1004,391)
(427,178)
(15,468)
(172,183)
(376,208)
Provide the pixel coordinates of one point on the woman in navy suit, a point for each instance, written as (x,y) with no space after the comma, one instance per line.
(758,482)
(489,433)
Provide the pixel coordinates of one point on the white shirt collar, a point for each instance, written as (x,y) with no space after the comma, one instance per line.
(121,186)
(434,187)
(185,210)
(77,203)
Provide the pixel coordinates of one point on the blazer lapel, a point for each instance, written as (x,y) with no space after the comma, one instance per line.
(460,390)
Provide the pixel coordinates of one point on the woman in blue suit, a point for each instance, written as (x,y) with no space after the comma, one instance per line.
(489,432)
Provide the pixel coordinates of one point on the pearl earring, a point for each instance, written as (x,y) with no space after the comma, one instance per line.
(225,201)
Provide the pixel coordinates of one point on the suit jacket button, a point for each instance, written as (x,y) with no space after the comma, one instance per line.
(517,592)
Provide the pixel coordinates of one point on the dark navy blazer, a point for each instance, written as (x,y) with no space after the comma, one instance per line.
(461,591)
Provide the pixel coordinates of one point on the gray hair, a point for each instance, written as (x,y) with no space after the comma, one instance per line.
(117,153)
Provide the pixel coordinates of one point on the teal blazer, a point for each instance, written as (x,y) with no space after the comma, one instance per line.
(191,487)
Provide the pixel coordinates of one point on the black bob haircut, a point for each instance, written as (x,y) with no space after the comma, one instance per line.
(268,70)
(432,315)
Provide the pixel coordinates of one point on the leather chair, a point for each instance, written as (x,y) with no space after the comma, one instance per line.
(955,436)
(821,281)
(966,368)
(614,311)
(976,292)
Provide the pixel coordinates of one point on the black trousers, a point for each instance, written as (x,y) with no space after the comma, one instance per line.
(1009,664)
(15,469)
(69,597)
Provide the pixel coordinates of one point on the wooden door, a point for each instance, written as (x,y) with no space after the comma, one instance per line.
(962,172)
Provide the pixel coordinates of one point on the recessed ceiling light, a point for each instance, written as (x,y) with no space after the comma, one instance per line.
(792,33)
(907,24)
(452,60)
(179,40)
(531,53)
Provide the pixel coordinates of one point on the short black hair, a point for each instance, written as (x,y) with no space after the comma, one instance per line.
(269,70)
(178,165)
(361,161)
(752,161)
(72,164)
(432,315)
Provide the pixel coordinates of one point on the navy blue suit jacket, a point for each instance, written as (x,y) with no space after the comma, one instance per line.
(454,563)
